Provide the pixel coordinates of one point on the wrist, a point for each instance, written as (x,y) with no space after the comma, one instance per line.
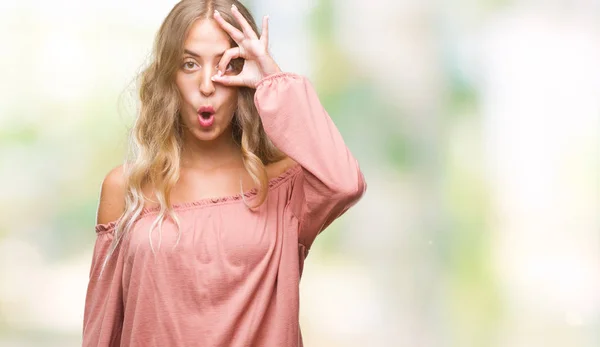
(268,66)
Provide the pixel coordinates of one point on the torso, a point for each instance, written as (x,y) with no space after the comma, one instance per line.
(195,186)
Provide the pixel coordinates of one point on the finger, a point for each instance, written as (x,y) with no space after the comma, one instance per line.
(235,34)
(264,35)
(236,80)
(243,23)
(229,54)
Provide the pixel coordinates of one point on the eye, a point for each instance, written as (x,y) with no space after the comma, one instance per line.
(230,67)
(189,65)
(235,65)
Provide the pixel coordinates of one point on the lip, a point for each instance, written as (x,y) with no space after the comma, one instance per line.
(206,109)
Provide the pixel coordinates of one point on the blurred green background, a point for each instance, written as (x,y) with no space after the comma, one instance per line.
(476,124)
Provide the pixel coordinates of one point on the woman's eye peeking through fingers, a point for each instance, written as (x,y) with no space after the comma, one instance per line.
(235,65)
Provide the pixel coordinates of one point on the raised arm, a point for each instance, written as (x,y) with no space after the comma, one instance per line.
(331,180)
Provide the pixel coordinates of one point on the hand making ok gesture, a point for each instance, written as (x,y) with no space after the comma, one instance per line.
(258,63)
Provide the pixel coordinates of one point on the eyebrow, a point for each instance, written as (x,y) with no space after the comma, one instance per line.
(198,55)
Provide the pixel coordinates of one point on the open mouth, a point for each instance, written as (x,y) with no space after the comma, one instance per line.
(206,116)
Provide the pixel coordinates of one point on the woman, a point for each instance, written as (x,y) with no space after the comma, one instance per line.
(201,237)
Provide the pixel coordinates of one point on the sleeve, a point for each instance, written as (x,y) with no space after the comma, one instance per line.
(103,312)
(330,181)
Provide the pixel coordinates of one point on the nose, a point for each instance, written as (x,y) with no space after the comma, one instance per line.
(207,87)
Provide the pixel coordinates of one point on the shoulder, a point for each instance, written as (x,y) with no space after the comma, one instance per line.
(112,196)
(279,167)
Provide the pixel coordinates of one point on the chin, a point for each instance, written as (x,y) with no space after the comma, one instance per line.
(215,132)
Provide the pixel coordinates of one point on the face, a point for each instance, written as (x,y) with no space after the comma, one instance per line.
(204,46)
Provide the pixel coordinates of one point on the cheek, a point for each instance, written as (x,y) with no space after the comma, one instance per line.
(187,87)
(230,98)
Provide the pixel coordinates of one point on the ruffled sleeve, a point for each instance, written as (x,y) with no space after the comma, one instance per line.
(331,180)
(103,313)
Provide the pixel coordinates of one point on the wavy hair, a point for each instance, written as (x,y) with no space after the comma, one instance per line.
(155,140)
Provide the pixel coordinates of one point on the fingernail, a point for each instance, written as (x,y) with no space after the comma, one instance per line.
(219,73)
(234,7)
(267,17)
(217,13)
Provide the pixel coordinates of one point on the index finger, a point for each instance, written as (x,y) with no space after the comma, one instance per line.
(243,22)
(235,34)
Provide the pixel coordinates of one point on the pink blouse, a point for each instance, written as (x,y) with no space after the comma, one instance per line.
(233,279)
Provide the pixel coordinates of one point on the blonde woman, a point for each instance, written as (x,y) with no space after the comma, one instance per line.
(235,170)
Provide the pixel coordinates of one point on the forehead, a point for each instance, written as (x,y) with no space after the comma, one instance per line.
(207,38)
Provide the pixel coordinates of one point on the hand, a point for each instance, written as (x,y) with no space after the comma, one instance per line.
(258,63)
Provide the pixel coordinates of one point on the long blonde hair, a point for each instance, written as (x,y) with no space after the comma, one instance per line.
(155,140)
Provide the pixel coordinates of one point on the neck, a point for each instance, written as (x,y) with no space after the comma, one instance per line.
(210,155)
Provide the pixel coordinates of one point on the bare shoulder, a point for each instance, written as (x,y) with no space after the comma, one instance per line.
(112,196)
(279,167)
